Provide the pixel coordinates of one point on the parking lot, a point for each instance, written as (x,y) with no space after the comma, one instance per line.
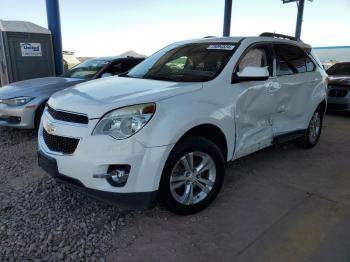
(280,204)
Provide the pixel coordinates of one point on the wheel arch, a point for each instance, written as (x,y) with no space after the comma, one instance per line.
(37,111)
(210,132)
(323,106)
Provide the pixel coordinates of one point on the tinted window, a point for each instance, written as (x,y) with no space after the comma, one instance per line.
(290,60)
(86,70)
(340,69)
(185,63)
(310,66)
(128,64)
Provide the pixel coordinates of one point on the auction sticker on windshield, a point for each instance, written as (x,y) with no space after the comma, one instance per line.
(221,47)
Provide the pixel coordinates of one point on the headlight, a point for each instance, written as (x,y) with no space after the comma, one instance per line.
(17,101)
(125,122)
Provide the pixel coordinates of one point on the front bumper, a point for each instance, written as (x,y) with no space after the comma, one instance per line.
(95,154)
(135,201)
(22,113)
(338,98)
(338,104)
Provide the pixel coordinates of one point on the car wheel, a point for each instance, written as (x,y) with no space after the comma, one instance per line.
(38,114)
(192,176)
(313,133)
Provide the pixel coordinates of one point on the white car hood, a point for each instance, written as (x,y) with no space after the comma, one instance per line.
(97,97)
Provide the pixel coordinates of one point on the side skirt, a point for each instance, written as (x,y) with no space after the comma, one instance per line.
(280,139)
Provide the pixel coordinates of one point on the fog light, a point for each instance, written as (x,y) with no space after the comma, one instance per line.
(117,175)
(13,120)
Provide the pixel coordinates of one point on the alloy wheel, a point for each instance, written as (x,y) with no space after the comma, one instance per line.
(192,178)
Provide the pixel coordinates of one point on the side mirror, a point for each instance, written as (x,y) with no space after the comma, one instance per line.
(106,75)
(252,73)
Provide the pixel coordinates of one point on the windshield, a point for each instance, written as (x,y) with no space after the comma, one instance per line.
(341,69)
(86,70)
(185,63)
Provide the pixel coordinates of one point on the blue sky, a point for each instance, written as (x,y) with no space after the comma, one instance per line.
(110,27)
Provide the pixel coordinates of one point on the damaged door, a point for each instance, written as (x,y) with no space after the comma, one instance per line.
(295,75)
(255,103)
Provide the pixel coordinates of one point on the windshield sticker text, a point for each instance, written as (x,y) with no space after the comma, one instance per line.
(221,47)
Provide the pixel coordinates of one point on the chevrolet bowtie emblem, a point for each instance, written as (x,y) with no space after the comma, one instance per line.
(49,127)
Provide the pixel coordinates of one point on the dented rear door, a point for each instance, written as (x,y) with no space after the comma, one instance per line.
(297,80)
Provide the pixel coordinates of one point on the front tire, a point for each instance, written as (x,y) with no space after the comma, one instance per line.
(313,133)
(192,176)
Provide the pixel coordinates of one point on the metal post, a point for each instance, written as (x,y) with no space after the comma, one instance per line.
(227,17)
(54,23)
(299,19)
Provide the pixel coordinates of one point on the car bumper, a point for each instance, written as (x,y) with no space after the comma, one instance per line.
(18,117)
(338,104)
(338,98)
(136,201)
(95,154)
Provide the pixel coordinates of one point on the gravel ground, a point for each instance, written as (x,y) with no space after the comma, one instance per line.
(41,219)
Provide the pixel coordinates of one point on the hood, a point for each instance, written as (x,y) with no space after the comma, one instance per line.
(38,85)
(339,80)
(97,97)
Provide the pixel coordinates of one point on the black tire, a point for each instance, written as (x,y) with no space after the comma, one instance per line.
(306,141)
(184,147)
(38,114)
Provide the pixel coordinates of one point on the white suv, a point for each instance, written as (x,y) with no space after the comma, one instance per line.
(165,130)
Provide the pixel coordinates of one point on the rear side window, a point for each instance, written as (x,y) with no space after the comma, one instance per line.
(290,60)
(310,66)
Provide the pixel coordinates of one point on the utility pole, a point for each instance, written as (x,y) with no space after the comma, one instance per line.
(227,18)
(54,24)
(300,4)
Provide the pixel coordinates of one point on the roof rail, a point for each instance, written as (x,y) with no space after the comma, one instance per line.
(210,36)
(287,37)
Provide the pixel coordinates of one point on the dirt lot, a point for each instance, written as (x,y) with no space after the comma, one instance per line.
(280,204)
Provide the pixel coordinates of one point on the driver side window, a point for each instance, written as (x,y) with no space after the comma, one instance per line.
(256,57)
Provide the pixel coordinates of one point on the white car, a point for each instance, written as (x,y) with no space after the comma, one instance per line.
(165,130)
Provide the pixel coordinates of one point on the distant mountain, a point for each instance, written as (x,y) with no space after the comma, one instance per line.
(132,53)
(127,53)
(82,59)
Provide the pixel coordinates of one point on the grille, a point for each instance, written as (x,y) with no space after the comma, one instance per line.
(60,144)
(332,106)
(67,117)
(337,92)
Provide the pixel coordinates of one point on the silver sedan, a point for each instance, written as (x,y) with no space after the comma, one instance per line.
(22,103)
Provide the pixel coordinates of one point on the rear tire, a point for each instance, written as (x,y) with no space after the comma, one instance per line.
(192,176)
(313,132)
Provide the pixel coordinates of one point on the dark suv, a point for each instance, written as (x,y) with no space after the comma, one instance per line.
(339,87)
